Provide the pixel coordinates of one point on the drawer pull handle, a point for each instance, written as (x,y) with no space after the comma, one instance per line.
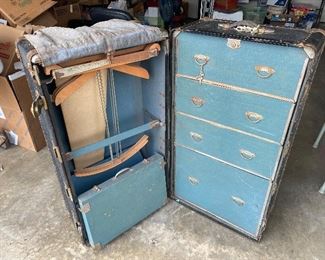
(238,201)
(254,117)
(196,137)
(199,102)
(247,154)
(193,180)
(201,60)
(264,72)
(121,172)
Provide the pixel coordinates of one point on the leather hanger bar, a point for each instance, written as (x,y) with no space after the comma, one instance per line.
(133,70)
(48,70)
(67,89)
(93,170)
(112,61)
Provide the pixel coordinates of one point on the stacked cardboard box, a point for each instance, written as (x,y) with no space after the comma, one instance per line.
(15,99)
(16,119)
(18,17)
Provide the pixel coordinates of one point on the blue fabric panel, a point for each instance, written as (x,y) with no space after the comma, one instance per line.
(154,101)
(129,105)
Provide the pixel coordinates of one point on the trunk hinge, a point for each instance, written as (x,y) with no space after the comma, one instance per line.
(69,193)
(57,153)
(274,189)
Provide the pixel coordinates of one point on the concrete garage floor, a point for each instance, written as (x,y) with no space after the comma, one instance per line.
(34,223)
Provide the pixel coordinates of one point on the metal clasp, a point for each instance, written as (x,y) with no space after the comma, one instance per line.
(201,60)
(37,105)
(193,180)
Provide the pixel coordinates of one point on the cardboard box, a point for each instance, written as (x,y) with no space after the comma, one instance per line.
(21,12)
(65,13)
(8,37)
(15,116)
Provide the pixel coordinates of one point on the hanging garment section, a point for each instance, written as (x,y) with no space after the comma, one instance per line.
(108,111)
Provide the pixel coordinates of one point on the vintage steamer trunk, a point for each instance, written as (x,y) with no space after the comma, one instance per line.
(221,113)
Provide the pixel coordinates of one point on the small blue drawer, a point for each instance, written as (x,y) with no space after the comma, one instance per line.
(234,196)
(119,203)
(261,116)
(249,153)
(266,68)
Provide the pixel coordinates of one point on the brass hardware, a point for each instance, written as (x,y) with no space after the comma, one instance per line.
(57,153)
(35,74)
(310,52)
(196,137)
(246,27)
(96,188)
(197,101)
(122,172)
(247,154)
(69,193)
(233,43)
(201,60)
(85,208)
(274,189)
(193,180)
(264,72)
(238,201)
(37,105)
(254,117)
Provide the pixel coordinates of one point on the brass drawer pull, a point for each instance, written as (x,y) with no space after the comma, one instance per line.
(196,137)
(254,117)
(193,180)
(238,201)
(264,72)
(201,59)
(197,101)
(247,154)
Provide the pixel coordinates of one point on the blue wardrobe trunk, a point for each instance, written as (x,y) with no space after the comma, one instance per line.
(228,99)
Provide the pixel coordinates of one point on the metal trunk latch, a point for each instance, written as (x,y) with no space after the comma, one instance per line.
(37,105)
